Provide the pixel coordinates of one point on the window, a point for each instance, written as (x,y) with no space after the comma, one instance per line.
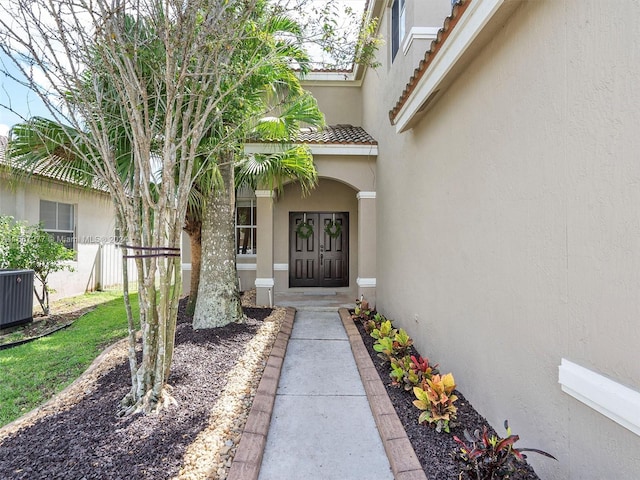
(246,215)
(397,26)
(58,220)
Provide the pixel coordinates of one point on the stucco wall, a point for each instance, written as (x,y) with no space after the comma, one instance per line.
(508,226)
(328,196)
(94,220)
(339,104)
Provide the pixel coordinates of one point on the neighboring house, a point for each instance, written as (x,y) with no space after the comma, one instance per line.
(83,219)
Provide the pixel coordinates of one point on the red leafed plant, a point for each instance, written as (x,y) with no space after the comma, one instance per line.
(490,457)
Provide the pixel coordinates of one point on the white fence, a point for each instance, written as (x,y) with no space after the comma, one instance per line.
(107,269)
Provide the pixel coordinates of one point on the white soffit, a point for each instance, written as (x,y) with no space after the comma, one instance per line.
(316,149)
(613,400)
(461,37)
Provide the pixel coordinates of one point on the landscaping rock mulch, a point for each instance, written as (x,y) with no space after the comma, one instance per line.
(214,377)
(433,449)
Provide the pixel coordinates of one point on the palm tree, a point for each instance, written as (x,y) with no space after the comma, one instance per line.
(273,107)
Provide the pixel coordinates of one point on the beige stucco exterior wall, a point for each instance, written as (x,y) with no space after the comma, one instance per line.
(94,221)
(340,105)
(508,226)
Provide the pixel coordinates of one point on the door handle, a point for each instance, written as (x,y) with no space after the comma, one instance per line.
(321,258)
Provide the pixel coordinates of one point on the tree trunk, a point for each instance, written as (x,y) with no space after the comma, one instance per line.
(218,301)
(193,227)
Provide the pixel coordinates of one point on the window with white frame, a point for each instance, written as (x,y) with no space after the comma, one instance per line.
(397,26)
(246,216)
(58,219)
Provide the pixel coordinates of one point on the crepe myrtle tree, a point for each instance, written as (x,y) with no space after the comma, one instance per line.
(139,84)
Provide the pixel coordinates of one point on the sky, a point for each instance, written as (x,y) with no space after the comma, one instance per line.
(22,100)
(27,104)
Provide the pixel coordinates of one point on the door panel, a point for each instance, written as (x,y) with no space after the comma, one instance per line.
(319,260)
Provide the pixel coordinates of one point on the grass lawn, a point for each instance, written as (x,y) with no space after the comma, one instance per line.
(32,373)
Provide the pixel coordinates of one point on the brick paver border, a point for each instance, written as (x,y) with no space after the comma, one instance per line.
(248,459)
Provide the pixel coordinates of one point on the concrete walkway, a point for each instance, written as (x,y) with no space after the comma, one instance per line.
(321,411)
(322,426)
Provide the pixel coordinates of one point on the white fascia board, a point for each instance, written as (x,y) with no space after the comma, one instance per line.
(419,33)
(332,79)
(612,399)
(316,149)
(336,149)
(473,20)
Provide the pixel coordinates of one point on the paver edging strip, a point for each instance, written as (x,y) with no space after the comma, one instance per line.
(17,343)
(402,458)
(248,458)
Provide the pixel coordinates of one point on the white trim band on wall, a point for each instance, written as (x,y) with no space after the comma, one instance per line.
(281,267)
(264,193)
(366,282)
(264,283)
(186,266)
(612,399)
(246,266)
(317,149)
(361,195)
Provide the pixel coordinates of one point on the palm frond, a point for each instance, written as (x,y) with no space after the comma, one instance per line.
(274,170)
(45,147)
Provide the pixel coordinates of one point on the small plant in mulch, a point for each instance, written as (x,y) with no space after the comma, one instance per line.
(392,344)
(489,457)
(410,371)
(362,311)
(435,398)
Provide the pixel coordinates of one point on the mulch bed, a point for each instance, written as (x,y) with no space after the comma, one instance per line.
(432,448)
(89,441)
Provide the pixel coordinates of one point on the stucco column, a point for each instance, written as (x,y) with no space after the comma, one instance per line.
(264,256)
(367,246)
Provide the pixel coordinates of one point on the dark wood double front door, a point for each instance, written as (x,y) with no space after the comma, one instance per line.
(319,250)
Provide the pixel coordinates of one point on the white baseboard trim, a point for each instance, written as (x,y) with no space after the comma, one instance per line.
(612,399)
